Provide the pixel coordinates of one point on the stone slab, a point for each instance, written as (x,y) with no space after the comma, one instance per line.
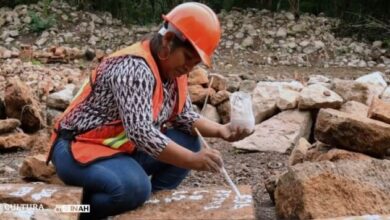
(39,201)
(278,133)
(195,204)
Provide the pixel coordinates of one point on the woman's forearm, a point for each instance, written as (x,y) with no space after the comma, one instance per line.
(205,159)
(207,127)
(177,155)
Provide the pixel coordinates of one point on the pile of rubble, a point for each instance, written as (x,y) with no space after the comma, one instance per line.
(274,38)
(345,169)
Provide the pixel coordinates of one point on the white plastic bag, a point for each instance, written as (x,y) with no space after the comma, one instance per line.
(241,114)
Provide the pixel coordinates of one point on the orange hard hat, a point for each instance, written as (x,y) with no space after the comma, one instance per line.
(200,25)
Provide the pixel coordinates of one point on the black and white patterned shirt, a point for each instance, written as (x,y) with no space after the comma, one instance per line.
(124,90)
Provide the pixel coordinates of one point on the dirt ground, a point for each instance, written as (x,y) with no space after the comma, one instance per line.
(245,168)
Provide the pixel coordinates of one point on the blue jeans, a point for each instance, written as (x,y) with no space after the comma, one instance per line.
(121,183)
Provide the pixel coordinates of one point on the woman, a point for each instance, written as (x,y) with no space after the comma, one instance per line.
(114,134)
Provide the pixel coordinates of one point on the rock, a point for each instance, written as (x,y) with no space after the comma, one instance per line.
(375,78)
(265,96)
(247,42)
(352,132)
(353,107)
(233,82)
(61,99)
(41,41)
(304,43)
(198,76)
(198,93)
(219,82)
(386,95)
(290,16)
(210,203)
(247,85)
(270,185)
(319,44)
(318,79)
(288,99)
(2,21)
(355,91)
(34,167)
(278,133)
(211,113)
(317,96)
(21,104)
(3,114)
(9,125)
(379,110)
(361,217)
(282,32)
(299,152)
(13,33)
(52,115)
(12,141)
(196,109)
(310,190)
(320,153)
(90,54)
(43,196)
(219,97)
(224,111)
(263,108)
(377,44)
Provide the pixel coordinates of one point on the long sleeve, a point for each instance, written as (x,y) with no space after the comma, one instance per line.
(132,85)
(186,118)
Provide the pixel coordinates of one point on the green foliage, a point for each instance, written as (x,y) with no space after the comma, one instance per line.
(36,62)
(46,4)
(39,23)
(354,13)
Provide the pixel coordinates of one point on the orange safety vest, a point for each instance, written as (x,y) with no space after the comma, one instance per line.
(110,139)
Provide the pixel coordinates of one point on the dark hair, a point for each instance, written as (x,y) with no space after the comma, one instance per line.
(156,39)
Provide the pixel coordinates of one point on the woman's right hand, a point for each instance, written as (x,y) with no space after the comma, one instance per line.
(207,160)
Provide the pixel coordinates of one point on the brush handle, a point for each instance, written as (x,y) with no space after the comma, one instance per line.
(223,170)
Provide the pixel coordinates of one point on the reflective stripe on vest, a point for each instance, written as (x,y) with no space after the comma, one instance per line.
(110,139)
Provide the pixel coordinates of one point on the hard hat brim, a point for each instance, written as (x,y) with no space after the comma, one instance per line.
(203,56)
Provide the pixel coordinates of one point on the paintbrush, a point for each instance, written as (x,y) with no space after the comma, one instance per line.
(223,171)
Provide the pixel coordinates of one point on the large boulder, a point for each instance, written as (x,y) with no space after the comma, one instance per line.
(219,97)
(298,154)
(211,203)
(278,133)
(354,107)
(386,95)
(21,104)
(198,93)
(379,110)
(353,132)
(323,152)
(198,76)
(34,167)
(48,200)
(266,96)
(15,140)
(224,111)
(211,113)
(317,96)
(351,90)
(219,82)
(375,79)
(288,99)
(8,125)
(331,189)
(61,99)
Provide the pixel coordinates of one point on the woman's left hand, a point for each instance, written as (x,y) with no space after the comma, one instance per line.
(227,133)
